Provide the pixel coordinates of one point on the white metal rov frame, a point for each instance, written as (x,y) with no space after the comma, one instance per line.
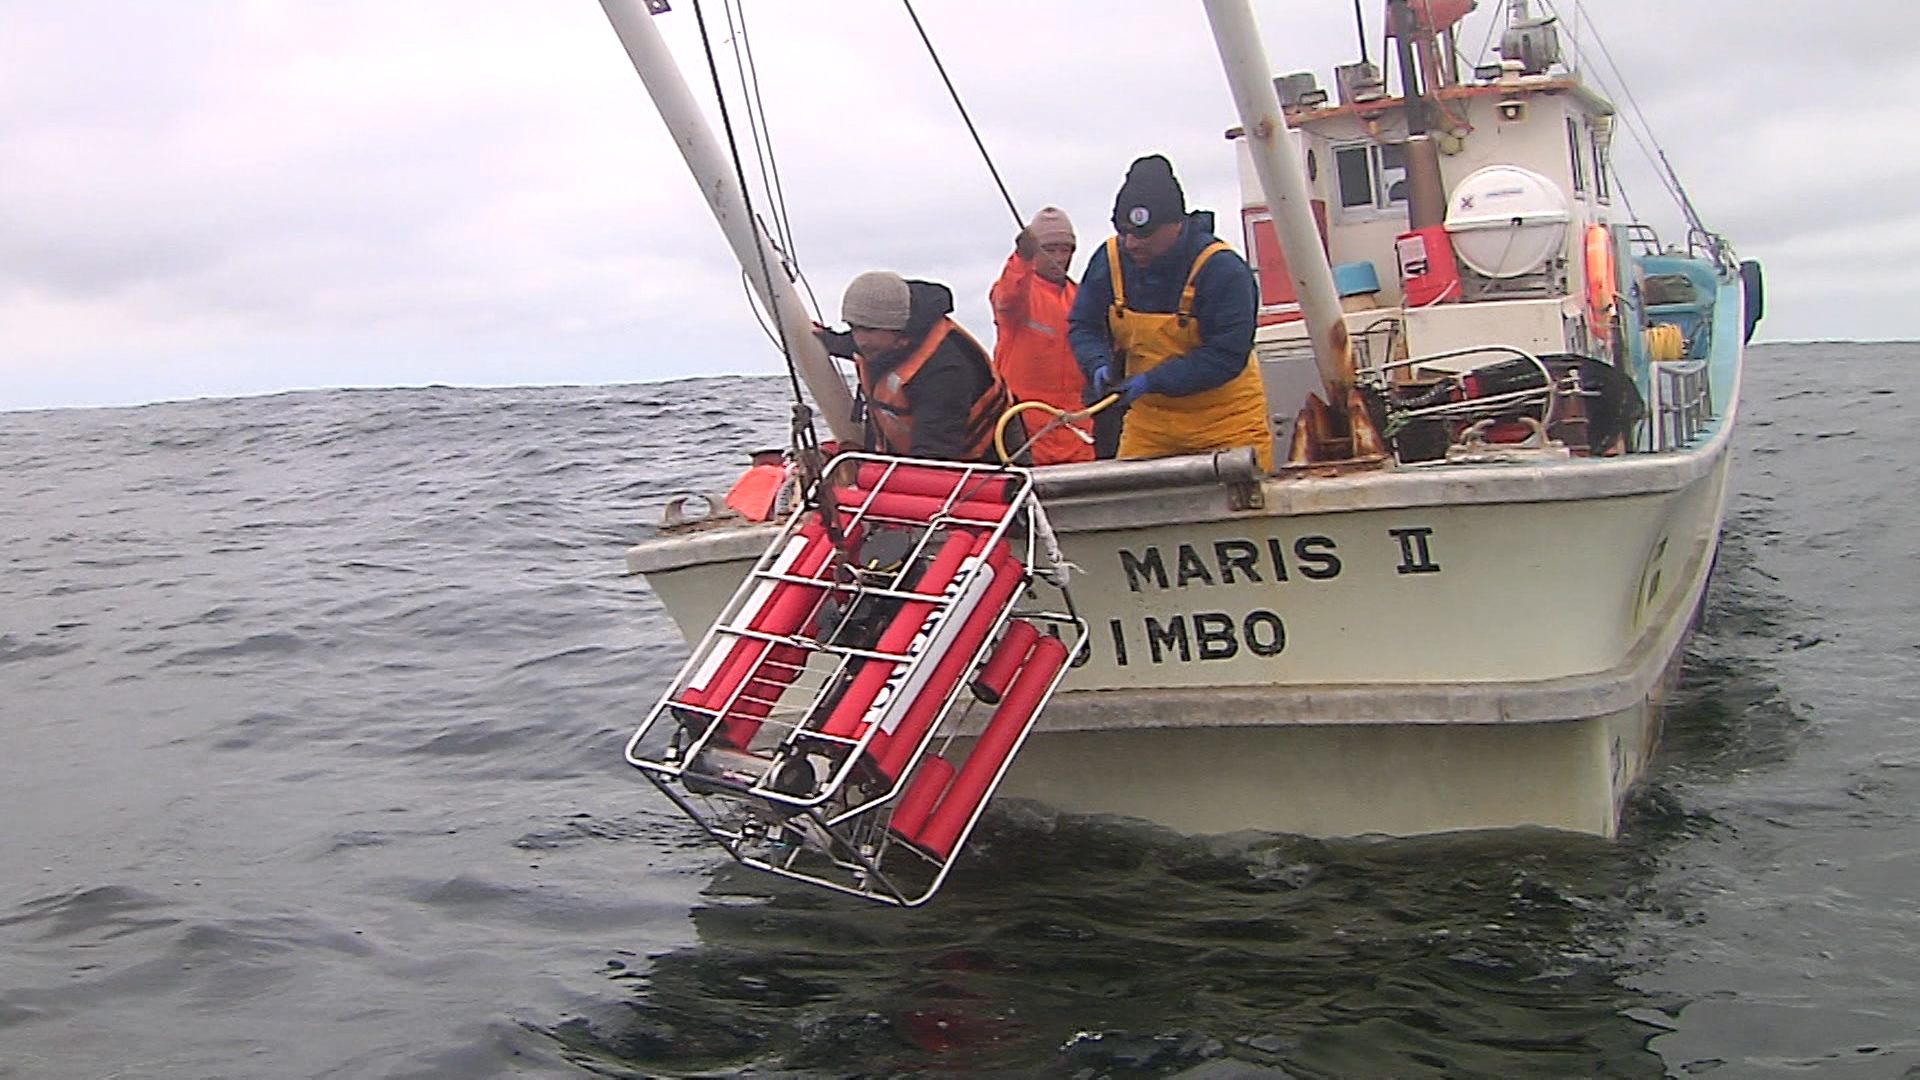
(834,683)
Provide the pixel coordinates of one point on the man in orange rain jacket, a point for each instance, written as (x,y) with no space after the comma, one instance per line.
(1030,350)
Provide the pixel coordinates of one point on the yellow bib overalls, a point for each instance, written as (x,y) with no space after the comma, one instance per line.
(1226,417)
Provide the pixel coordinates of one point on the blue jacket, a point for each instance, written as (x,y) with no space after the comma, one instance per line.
(1224,304)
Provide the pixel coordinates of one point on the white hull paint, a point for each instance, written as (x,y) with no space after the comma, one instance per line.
(1416,649)
(1326,780)
(1398,652)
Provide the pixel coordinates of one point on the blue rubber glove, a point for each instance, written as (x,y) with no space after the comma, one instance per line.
(1102,383)
(1132,389)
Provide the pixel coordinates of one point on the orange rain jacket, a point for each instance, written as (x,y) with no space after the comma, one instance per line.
(1031,355)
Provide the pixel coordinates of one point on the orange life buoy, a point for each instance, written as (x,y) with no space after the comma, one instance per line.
(1599,281)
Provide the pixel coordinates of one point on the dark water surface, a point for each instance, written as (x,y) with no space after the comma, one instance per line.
(311,710)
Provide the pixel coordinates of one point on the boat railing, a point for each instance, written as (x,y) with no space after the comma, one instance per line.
(1713,248)
(1644,238)
(1469,405)
(1505,403)
(1681,403)
(1378,338)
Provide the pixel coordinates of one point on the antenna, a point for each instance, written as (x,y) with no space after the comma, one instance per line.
(1360,29)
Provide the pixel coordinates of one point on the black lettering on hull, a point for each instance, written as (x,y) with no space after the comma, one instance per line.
(1416,551)
(1171,637)
(1316,558)
(1204,635)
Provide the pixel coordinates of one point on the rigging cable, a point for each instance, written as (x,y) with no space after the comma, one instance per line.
(740,175)
(955,94)
(768,160)
(1679,189)
(1493,23)
(1486,50)
(1634,133)
(806,442)
(1668,178)
(779,233)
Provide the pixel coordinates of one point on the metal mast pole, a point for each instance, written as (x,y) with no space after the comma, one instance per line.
(714,172)
(1284,181)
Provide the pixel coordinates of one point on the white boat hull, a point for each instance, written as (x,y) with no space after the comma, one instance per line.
(1394,779)
(1419,649)
(1399,652)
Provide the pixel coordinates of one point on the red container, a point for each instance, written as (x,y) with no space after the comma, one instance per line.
(770,678)
(783,608)
(990,751)
(891,752)
(908,622)
(928,784)
(1427,271)
(940,483)
(1005,661)
(887,503)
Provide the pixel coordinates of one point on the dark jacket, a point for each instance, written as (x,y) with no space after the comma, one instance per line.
(952,380)
(1224,304)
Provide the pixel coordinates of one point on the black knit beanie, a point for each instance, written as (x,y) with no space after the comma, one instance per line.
(1150,197)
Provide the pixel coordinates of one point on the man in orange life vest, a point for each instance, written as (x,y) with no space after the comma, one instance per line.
(1030,350)
(926,385)
(1165,318)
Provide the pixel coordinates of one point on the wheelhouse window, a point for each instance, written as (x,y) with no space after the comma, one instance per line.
(1577,156)
(1601,190)
(1371,176)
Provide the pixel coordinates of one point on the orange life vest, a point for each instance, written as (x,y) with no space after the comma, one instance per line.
(890,413)
(1031,354)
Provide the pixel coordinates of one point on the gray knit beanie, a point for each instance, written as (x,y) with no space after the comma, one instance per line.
(877,300)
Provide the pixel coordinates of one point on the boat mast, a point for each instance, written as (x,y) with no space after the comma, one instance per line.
(1277,162)
(1426,192)
(713,170)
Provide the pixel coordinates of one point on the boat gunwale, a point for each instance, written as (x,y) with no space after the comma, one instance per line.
(1479,484)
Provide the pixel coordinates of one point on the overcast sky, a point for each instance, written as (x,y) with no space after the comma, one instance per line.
(218,198)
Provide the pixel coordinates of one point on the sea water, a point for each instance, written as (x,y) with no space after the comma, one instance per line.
(311,710)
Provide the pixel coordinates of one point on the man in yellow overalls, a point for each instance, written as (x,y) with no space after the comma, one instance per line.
(1165,318)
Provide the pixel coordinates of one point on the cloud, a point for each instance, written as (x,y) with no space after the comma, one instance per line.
(240,198)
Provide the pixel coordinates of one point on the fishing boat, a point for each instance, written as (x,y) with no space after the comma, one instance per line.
(1500,416)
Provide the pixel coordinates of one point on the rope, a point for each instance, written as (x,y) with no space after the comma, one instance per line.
(1061,418)
(971,130)
(804,440)
(769,160)
(1669,178)
(1664,342)
(746,196)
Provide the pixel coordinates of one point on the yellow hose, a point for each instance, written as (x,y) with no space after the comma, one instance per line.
(1060,417)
